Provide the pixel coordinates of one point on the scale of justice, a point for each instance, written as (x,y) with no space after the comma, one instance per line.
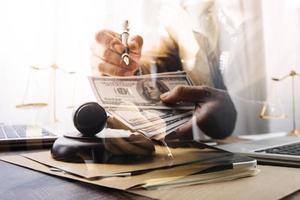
(266,113)
(38,104)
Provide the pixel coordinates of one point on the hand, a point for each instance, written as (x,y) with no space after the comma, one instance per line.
(107,50)
(214,113)
(136,145)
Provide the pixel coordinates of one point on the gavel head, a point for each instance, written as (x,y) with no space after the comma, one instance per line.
(89,119)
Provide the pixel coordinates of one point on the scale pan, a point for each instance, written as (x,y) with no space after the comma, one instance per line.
(32,105)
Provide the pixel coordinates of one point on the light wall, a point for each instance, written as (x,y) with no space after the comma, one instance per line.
(41,33)
(282,54)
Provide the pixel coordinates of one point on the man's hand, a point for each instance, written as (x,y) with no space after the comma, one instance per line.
(107,50)
(214,113)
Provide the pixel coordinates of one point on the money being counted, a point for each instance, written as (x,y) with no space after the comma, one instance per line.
(134,102)
(137,119)
(137,91)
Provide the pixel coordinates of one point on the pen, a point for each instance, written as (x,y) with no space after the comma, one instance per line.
(124,40)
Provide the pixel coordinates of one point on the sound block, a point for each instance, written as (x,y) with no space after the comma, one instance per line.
(78,149)
(87,145)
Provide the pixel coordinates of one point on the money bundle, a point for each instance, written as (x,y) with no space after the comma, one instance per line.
(135,102)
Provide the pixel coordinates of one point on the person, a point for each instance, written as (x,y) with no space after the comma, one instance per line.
(151,90)
(215,113)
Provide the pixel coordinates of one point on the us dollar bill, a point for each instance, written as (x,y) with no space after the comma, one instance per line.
(164,128)
(138,91)
(138,118)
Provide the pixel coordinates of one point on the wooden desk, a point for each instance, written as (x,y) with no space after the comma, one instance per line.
(21,183)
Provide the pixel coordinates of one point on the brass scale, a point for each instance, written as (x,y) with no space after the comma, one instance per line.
(52,94)
(264,111)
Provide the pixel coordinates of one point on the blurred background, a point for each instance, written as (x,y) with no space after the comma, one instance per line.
(252,41)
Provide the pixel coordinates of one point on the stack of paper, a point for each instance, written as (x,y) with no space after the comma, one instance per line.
(188,167)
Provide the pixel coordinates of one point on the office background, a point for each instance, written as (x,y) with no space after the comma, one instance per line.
(254,45)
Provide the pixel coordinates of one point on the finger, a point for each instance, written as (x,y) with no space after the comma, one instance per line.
(104,52)
(135,44)
(192,94)
(110,40)
(112,57)
(109,69)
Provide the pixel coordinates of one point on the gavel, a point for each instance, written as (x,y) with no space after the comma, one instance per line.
(90,119)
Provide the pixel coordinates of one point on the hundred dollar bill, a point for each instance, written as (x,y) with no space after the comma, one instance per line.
(161,135)
(138,91)
(137,119)
(165,128)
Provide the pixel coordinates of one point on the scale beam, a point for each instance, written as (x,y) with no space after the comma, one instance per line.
(292,74)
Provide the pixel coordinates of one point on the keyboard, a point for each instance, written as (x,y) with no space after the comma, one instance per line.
(291,149)
(22,135)
(20,131)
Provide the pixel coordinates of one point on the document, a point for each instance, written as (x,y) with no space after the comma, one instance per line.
(209,166)
(116,182)
(159,160)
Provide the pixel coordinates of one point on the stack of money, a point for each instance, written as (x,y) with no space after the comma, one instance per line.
(135,101)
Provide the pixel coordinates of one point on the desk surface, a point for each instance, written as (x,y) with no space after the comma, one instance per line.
(21,183)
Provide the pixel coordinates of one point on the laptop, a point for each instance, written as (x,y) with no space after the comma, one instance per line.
(12,136)
(283,151)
